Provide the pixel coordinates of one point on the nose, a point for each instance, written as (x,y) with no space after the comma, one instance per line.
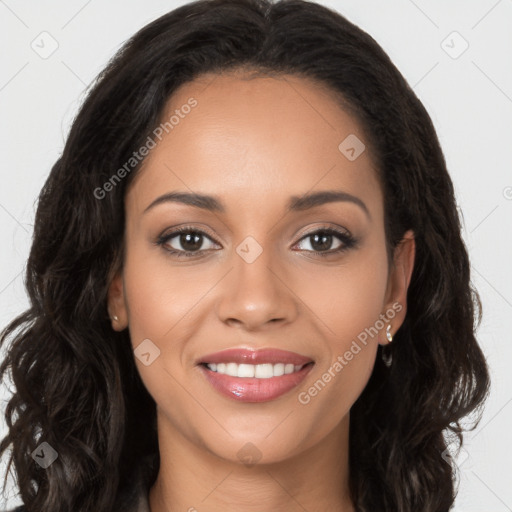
(257,295)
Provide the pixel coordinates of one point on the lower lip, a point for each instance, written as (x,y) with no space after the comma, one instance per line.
(247,389)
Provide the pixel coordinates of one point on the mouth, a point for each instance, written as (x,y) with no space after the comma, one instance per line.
(254,376)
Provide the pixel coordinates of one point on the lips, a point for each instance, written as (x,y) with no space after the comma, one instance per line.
(254,376)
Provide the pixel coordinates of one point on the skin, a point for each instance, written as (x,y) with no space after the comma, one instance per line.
(253,143)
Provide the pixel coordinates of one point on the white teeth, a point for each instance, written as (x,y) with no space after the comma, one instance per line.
(288,368)
(260,371)
(278,369)
(232,369)
(263,371)
(245,370)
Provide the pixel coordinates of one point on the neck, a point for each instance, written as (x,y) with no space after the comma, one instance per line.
(193,479)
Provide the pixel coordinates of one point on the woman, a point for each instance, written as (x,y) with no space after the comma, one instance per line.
(248,285)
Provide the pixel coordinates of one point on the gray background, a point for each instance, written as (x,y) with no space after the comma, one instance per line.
(468,93)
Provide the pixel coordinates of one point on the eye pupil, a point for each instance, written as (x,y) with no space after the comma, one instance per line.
(326,241)
(191,241)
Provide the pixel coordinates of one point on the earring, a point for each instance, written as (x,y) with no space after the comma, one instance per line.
(115,318)
(387,356)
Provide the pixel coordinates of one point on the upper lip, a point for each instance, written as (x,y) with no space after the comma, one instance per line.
(251,356)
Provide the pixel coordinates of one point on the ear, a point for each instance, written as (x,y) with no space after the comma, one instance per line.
(398,283)
(116,302)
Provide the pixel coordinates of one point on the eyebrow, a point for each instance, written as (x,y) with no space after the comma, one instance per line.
(295,203)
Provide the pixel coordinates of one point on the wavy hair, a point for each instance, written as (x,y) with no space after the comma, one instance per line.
(76,383)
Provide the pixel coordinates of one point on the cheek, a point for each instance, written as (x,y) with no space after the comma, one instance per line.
(159,296)
(346,303)
(160,301)
(348,298)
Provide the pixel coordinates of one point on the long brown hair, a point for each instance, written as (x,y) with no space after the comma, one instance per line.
(77,386)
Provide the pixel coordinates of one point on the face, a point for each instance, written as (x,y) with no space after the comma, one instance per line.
(268,262)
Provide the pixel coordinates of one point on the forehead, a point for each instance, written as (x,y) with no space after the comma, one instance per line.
(235,137)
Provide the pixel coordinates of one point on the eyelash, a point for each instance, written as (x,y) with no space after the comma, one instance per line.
(347,240)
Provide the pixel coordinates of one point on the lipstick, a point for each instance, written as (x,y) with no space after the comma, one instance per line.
(254,376)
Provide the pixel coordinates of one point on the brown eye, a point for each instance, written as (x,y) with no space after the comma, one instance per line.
(322,240)
(185,242)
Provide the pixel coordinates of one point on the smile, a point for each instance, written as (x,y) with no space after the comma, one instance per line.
(254,375)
